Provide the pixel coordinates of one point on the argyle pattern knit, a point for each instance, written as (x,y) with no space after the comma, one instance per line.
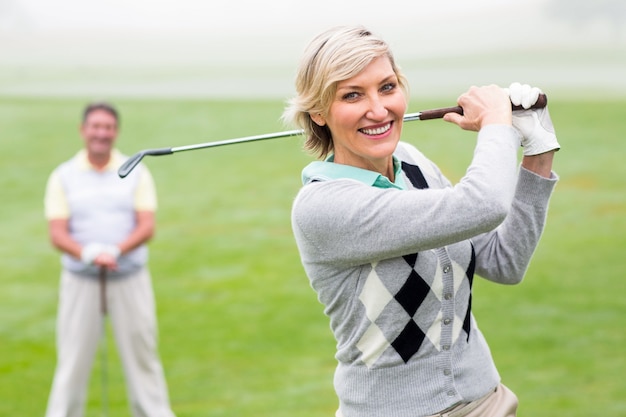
(394,270)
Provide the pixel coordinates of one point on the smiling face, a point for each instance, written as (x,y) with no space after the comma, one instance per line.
(365,118)
(99,131)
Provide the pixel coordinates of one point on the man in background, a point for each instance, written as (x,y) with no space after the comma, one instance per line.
(101,224)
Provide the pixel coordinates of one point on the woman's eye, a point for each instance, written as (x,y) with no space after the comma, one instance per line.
(388,87)
(351,96)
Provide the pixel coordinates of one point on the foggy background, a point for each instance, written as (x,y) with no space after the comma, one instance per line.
(250,48)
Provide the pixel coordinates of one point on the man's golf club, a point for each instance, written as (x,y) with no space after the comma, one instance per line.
(103,343)
(132,162)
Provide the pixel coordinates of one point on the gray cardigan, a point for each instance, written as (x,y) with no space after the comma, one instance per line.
(394,270)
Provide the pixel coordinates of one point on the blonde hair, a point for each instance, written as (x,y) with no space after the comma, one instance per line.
(335,55)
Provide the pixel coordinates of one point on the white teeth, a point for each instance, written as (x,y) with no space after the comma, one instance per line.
(377,131)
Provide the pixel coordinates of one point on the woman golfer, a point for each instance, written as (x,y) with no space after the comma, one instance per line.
(392,247)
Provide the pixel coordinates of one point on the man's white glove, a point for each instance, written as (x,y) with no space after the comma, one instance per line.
(534,125)
(92,250)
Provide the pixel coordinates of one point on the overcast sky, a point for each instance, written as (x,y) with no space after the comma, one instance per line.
(429,26)
(246,15)
(97,34)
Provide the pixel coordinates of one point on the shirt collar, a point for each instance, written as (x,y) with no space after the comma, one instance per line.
(114,163)
(329,170)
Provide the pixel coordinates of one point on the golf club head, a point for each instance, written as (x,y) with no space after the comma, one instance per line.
(132,162)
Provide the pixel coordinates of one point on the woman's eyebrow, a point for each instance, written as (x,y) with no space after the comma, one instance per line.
(356,86)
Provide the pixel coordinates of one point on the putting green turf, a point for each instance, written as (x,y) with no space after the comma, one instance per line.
(241,332)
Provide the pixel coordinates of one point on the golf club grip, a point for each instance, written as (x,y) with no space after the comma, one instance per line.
(542,101)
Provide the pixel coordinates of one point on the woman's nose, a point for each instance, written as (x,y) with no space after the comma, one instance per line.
(377,109)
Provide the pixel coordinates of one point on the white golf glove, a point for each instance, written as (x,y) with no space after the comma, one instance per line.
(534,125)
(91,251)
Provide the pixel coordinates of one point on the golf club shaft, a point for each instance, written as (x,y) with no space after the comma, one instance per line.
(103,288)
(132,162)
(103,344)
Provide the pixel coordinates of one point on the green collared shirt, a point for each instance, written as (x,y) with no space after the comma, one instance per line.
(329,170)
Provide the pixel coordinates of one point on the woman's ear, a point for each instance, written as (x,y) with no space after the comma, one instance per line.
(318,119)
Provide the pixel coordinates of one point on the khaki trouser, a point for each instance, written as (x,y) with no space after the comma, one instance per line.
(131,309)
(502,402)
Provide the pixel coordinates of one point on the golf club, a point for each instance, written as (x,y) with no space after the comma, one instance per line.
(132,162)
(103,343)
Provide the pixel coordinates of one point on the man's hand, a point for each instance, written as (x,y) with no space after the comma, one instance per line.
(100,255)
(90,252)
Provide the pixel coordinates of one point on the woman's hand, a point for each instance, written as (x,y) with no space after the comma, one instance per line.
(482,106)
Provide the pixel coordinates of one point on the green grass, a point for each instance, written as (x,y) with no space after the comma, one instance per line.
(241,332)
